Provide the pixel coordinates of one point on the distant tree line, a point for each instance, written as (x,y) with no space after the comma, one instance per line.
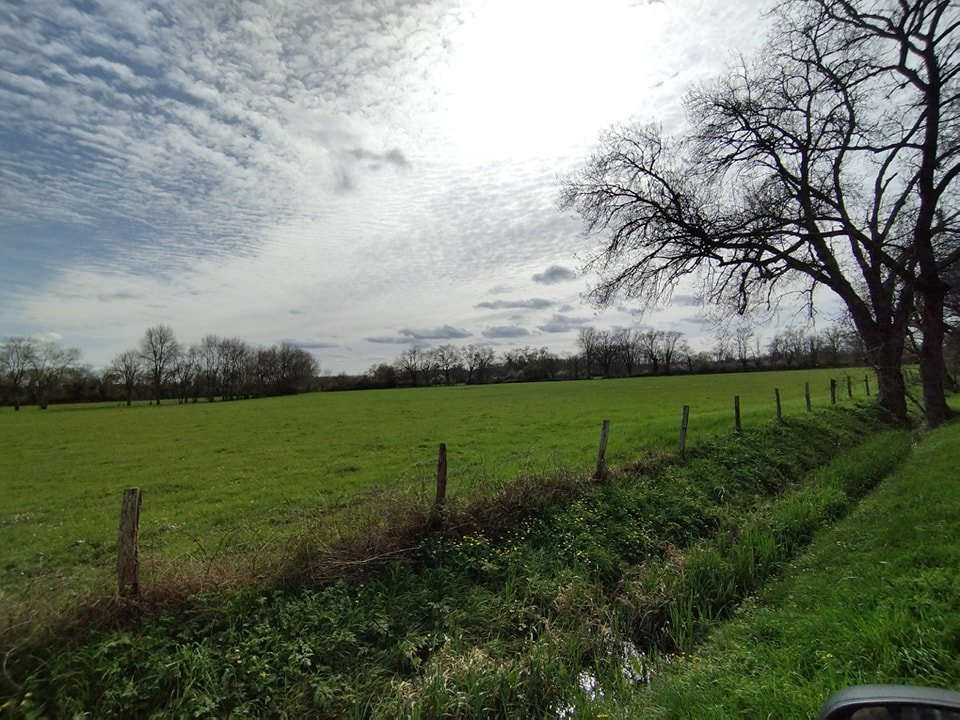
(158,368)
(624,352)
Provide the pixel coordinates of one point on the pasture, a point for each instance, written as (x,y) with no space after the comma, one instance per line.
(259,469)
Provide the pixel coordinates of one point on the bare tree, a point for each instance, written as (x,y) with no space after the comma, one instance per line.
(277,370)
(528,363)
(606,350)
(915,47)
(588,340)
(829,162)
(447,358)
(478,359)
(209,365)
(722,344)
(831,340)
(650,342)
(514,360)
(629,348)
(16,358)
(412,363)
(186,374)
(298,368)
(48,363)
(234,356)
(789,347)
(382,375)
(159,349)
(673,345)
(128,367)
(743,341)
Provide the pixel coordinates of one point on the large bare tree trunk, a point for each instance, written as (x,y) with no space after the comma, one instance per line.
(933,371)
(885,352)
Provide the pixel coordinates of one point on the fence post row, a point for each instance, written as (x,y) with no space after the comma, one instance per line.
(128,553)
(602,453)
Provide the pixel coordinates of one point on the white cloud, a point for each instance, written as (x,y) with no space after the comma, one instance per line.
(324,171)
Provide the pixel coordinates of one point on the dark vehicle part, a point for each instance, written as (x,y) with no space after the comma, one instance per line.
(892,702)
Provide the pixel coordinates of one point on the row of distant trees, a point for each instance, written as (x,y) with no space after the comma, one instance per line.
(158,368)
(624,352)
(225,367)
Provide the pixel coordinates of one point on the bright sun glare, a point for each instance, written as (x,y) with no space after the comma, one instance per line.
(539,77)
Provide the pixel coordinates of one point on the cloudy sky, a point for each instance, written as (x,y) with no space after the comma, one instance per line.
(350,176)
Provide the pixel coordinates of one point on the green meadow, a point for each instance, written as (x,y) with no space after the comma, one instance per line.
(212,474)
(553,605)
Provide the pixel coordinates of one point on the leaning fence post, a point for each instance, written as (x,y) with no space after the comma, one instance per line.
(866,384)
(849,387)
(441,477)
(776,393)
(806,393)
(684,420)
(602,453)
(128,553)
(833,391)
(736,413)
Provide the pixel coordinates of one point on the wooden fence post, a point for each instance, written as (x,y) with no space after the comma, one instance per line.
(684,420)
(866,384)
(776,393)
(602,453)
(736,413)
(441,477)
(806,393)
(833,391)
(128,553)
(849,387)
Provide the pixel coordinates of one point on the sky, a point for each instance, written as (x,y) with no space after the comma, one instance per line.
(353,177)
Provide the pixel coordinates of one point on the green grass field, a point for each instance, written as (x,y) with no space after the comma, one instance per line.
(210,470)
(481,618)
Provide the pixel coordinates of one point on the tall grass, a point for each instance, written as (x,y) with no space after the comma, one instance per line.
(876,599)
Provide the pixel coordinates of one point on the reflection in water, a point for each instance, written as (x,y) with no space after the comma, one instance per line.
(634,664)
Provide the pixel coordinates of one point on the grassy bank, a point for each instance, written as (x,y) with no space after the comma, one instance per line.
(875,600)
(486,621)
